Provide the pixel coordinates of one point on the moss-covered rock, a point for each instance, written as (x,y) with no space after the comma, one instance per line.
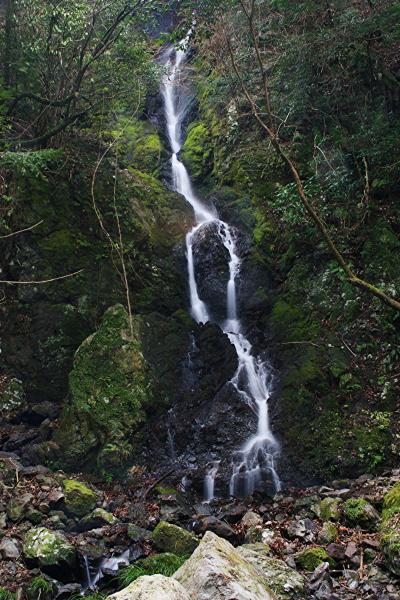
(310,558)
(97,518)
(78,498)
(390,529)
(109,388)
(357,511)
(329,509)
(51,551)
(171,538)
(328,533)
(197,151)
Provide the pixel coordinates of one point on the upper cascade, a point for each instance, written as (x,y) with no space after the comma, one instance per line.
(254,464)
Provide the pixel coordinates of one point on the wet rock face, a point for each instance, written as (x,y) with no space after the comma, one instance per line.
(211,260)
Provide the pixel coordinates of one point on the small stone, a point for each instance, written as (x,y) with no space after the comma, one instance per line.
(336,551)
(138,534)
(328,533)
(329,509)
(310,558)
(351,549)
(97,518)
(10,549)
(251,519)
(3,520)
(17,506)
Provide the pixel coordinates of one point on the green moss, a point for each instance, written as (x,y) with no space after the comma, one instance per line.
(79,499)
(159,564)
(390,529)
(357,511)
(330,509)
(171,538)
(109,388)
(310,558)
(197,151)
(138,144)
(46,548)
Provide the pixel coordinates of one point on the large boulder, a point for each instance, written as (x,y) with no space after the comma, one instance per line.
(156,587)
(211,261)
(171,538)
(287,583)
(109,388)
(216,571)
(51,552)
(78,498)
(390,529)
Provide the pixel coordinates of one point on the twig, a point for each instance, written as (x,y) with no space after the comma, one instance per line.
(42,280)
(159,480)
(3,237)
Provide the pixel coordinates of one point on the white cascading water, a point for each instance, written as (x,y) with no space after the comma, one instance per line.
(256,459)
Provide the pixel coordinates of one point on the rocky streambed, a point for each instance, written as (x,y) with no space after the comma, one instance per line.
(63,536)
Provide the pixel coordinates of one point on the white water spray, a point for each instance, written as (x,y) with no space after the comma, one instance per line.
(255,462)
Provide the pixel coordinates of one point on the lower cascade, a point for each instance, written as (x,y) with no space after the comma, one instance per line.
(254,463)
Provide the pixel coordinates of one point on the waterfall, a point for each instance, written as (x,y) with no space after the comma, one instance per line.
(255,461)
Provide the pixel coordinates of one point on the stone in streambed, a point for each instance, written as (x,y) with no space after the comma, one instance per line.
(171,538)
(216,571)
(156,587)
(284,581)
(51,552)
(79,499)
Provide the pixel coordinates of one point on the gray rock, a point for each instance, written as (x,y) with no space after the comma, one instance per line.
(10,549)
(219,527)
(216,571)
(251,519)
(156,587)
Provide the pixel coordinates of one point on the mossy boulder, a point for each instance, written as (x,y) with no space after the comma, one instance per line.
(329,509)
(171,538)
(390,529)
(50,551)
(310,558)
(357,511)
(197,151)
(78,498)
(109,388)
(97,518)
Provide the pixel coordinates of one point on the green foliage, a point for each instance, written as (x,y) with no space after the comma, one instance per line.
(6,595)
(197,151)
(29,164)
(159,564)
